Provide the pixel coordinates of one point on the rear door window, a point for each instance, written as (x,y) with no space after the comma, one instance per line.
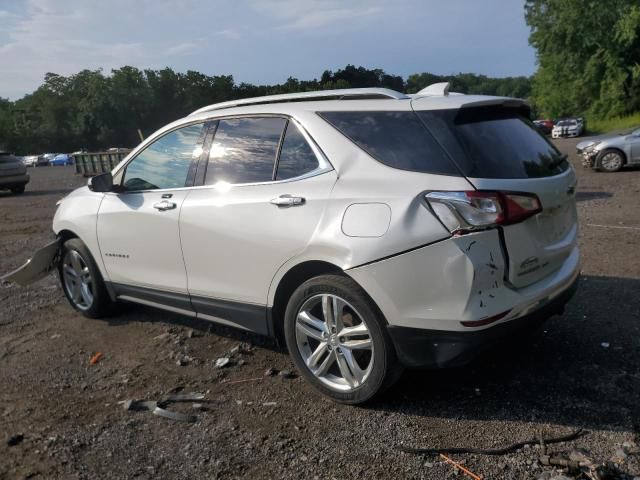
(296,156)
(494,142)
(244,150)
(396,139)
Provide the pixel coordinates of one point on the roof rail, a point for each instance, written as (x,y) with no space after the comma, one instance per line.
(340,94)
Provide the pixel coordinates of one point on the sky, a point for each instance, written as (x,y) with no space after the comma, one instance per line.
(260,41)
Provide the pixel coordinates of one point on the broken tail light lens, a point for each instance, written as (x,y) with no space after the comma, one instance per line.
(462,212)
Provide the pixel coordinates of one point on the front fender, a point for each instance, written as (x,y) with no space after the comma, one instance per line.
(37,267)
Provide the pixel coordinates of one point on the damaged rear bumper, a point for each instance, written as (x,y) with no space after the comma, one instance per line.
(37,267)
(423,348)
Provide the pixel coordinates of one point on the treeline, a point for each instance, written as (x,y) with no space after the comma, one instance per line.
(589,56)
(94,111)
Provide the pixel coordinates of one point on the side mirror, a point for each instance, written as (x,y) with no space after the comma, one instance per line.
(101,183)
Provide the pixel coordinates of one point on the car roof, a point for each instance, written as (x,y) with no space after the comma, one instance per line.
(436,96)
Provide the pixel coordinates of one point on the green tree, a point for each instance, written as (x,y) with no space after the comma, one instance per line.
(589,56)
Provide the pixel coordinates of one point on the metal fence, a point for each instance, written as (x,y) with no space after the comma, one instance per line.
(90,164)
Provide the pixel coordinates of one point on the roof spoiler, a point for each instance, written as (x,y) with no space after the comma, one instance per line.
(435,90)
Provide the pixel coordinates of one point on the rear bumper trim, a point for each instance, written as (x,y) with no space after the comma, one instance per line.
(422,348)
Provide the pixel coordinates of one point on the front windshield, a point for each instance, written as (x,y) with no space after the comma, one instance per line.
(566,123)
(636,132)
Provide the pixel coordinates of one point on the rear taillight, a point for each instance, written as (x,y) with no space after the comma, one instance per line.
(463,212)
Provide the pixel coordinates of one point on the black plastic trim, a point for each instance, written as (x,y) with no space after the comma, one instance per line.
(248,315)
(256,318)
(170,299)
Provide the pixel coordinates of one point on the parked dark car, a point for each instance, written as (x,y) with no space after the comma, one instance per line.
(45,159)
(13,173)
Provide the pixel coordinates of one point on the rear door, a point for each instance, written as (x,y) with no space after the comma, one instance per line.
(264,193)
(498,149)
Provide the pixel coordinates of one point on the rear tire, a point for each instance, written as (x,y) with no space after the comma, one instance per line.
(337,339)
(610,161)
(18,190)
(81,280)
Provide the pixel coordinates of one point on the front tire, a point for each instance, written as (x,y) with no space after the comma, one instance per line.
(338,340)
(81,280)
(610,160)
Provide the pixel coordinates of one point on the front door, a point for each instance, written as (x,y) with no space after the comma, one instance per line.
(138,230)
(635,148)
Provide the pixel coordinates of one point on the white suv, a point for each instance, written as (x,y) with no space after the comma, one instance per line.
(368,229)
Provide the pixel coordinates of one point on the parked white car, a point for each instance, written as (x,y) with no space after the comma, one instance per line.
(567,128)
(30,160)
(369,234)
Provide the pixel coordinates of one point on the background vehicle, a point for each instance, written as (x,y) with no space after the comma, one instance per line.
(45,159)
(342,227)
(567,128)
(30,160)
(545,126)
(13,173)
(611,152)
(62,159)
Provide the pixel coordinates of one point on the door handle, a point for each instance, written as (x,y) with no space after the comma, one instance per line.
(164,205)
(287,201)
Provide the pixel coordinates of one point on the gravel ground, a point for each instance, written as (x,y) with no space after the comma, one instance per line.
(64,417)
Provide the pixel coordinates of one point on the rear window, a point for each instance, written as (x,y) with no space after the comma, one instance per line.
(396,139)
(490,142)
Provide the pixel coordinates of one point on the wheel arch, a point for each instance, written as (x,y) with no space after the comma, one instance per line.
(292,279)
(296,276)
(65,234)
(625,159)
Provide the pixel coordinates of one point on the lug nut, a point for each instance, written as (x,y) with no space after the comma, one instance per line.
(338,350)
(329,347)
(341,339)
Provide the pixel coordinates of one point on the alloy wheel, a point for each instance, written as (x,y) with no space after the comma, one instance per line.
(78,282)
(611,161)
(334,342)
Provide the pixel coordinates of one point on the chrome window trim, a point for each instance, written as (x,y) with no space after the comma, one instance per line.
(120,169)
(324,165)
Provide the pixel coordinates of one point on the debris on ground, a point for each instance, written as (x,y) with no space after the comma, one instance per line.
(242,380)
(170,414)
(270,372)
(495,451)
(605,345)
(287,374)
(95,358)
(184,397)
(269,404)
(181,362)
(222,362)
(15,440)
(459,467)
(159,407)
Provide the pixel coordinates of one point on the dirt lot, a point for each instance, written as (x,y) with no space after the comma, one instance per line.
(581,371)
